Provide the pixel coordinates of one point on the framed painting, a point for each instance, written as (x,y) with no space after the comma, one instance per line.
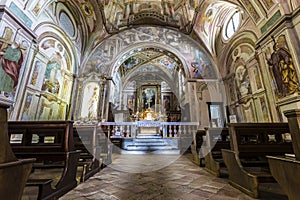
(167,102)
(148,96)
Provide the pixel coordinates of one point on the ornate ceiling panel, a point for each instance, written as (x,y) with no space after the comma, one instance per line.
(120,14)
(149,57)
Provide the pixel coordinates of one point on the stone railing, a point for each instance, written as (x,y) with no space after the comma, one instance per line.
(166,129)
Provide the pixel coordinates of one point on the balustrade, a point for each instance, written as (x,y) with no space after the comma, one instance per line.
(166,129)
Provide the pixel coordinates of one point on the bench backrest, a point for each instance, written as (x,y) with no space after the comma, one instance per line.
(217,138)
(90,139)
(41,138)
(85,137)
(260,139)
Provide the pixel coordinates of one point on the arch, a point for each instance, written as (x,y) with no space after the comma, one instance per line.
(247,37)
(46,29)
(104,58)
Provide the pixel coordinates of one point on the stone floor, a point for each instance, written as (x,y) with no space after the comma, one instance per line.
(159,177)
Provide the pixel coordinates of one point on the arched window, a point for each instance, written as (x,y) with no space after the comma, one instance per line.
(67,24)
(232,25)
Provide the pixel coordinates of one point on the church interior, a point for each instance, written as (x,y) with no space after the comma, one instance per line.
(149,99)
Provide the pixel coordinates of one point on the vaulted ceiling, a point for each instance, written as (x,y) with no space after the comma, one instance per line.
(124,13)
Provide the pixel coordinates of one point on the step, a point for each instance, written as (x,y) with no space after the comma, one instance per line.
(147,144)
(148,140)
(149,136)
(156,152)
(149,148)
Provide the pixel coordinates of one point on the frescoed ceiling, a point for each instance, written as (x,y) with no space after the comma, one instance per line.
(149,57)
(120,14)
(144,46)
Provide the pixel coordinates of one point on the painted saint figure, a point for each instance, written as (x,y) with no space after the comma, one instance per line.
(283,69)
(10,65)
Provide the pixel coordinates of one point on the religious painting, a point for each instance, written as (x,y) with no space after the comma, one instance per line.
(11,60)
(252,11)
(52,77)
(247,109)
(257,78)
(202,67)
(282,68)
(264,109)
(167,62)
(148,97)
(207,20)
(45,109)
(167,102)
(90,101)
(35,73)
(231,90)
(130,102)
(267,3)
(26,108)
(242,81)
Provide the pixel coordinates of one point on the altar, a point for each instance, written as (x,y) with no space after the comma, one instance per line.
(149,127)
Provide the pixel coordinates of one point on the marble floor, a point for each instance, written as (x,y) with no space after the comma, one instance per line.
(158,177)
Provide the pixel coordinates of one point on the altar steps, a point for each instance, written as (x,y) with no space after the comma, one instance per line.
(156,152)
(150,143)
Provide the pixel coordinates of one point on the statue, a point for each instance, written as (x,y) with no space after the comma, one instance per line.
(93,105)
(10,65)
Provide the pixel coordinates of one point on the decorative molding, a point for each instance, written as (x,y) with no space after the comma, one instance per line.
(271,22)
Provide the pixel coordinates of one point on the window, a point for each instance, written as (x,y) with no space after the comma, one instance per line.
(67,24)
(216,114)
(232,25)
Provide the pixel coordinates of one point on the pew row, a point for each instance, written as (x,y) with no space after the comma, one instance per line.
(250,143)
(285,169)
(196,147)
(51,144)
(93,144)
(215,140)
(12,170)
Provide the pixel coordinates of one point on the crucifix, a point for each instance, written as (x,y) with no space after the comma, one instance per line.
(149,101)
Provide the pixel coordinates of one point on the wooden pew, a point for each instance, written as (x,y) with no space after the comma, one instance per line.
(89,140)
(13,172)
(250,144)
(215,140)
(52,144)
(286,169)
(196,147)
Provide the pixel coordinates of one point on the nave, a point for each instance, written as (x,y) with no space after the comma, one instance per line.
(179,180)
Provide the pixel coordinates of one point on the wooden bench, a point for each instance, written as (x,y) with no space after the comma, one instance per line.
(88,139)
(286,169)
(196,147)
(51,144)
(215,140)
(13,172)
(250,144)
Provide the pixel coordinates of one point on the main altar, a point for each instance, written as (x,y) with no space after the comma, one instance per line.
(148,121)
